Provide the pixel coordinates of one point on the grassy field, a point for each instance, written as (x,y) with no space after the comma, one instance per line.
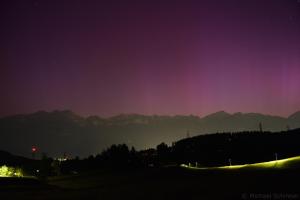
(162,183)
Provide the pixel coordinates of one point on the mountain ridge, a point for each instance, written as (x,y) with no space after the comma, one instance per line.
(129,115)
(57,132)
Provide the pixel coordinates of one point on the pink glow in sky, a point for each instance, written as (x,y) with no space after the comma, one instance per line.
(110,57)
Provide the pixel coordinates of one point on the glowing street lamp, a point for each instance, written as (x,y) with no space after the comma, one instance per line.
(229,161)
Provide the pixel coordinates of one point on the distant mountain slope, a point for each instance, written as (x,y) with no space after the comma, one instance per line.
(294,119)
(58,132)
(12,160)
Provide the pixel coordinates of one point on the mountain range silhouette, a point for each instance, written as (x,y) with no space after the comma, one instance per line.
(59,132)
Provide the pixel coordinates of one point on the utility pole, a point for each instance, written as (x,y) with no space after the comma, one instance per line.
(260,127)
(188,134)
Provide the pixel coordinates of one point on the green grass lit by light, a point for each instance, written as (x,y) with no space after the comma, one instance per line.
(6,171)
(275,164)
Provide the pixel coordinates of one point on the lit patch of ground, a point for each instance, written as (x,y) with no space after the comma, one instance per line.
(275,164)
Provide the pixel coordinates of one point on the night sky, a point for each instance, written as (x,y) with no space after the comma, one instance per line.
(110,57)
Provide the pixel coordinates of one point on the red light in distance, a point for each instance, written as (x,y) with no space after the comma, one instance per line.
(33,149)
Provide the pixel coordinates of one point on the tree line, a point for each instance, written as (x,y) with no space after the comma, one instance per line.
(204,150)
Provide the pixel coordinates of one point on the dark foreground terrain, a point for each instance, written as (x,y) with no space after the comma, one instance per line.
(163,183)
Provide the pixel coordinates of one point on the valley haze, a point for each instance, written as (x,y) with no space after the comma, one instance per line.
(64,132)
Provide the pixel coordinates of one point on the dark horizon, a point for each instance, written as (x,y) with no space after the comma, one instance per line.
(64,131)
